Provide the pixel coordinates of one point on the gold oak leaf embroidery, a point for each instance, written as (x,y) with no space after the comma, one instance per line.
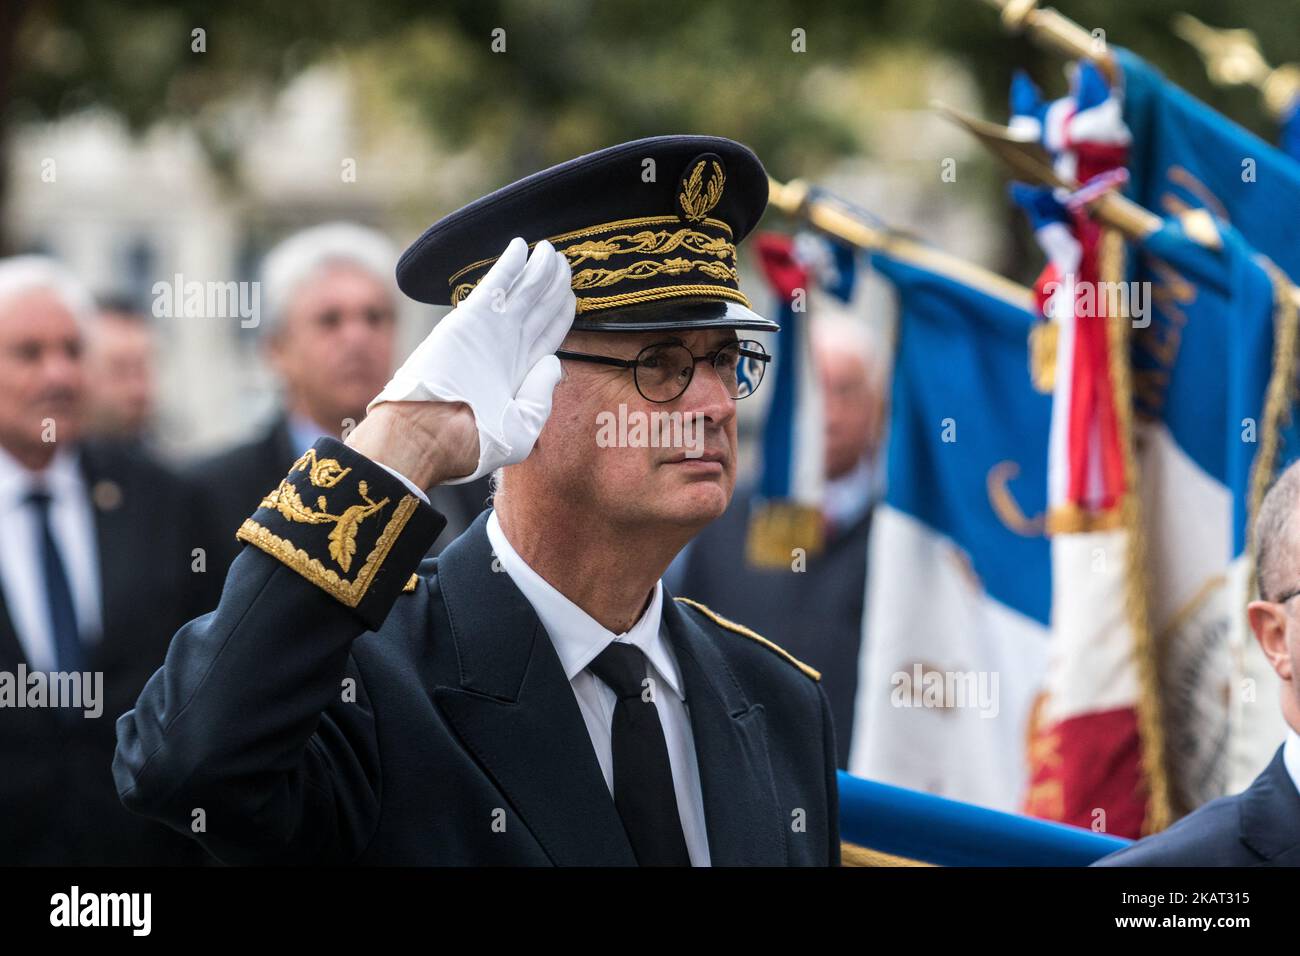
(324,473)
(696,197)
(343,538)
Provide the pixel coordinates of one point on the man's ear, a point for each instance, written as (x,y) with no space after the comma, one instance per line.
(1268,621)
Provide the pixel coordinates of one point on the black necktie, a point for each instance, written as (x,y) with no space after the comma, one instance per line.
(58,593)
(643,778)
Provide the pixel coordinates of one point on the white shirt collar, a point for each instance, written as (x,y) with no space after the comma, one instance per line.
(61,477)
(1291,756)
(577,636)
(303,432)
(847,498)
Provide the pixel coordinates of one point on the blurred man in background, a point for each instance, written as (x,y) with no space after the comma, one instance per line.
(121,377)
(95,575)
(1261,825)
(329,328)
(816,613)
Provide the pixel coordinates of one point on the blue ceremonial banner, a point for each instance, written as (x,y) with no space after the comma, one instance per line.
(1225,360)
(1202,358)
(1291,130)
(1187,155)
(960,582)
(962,357)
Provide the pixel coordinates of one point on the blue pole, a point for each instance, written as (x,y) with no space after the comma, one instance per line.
(950,833)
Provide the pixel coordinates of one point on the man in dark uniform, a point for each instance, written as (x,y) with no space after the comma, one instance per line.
(534,695)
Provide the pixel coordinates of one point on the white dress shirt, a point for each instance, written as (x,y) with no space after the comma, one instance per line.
(578,639)
(1291,756)
(303,433)
(847,498)
(72,522)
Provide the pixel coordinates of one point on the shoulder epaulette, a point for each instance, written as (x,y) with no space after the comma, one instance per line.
(753,636)
(427,567)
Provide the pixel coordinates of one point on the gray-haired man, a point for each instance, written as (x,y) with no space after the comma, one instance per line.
(329,333)
(1260,826)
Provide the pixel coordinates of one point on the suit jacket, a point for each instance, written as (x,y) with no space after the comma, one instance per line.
(235,480)
(58,803)
(330,714)
(1258,827)
(815,615)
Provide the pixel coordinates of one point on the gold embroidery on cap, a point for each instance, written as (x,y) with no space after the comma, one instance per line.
(626,224)
(636,297)
(649,242)
(648,269)
(698,197)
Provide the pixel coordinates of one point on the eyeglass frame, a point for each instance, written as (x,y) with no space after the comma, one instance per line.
(634,363)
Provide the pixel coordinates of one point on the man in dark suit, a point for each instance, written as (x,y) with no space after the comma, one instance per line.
(816,611)
(328,328)
(96,573)
(533,696)
(1260,826)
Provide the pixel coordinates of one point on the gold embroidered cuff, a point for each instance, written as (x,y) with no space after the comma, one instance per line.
(346,525)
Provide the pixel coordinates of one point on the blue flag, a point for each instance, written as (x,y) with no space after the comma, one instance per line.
(1202,363)
(959,588)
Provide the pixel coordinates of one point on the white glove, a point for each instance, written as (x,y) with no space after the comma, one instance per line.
(496,353)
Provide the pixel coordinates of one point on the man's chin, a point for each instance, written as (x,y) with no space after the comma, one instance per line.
(697,502)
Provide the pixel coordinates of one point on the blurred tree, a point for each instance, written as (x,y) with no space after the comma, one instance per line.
(573,75)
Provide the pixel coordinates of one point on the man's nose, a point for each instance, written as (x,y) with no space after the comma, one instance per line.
(708,395)
(356,330)
(61,366)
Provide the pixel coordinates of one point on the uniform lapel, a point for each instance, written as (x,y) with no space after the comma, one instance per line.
(745,823)
(515,712)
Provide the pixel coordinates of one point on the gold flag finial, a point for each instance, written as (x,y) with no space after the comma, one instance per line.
(1109,208)
(1049,28)
(1030,163)
(1233,58)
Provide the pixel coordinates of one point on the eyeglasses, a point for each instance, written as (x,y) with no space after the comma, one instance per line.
(663,371)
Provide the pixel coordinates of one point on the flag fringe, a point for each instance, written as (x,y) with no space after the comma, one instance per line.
(1150,703)
(853,855)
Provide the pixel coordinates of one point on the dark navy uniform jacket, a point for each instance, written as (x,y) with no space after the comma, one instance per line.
(337,707)
(1258,827)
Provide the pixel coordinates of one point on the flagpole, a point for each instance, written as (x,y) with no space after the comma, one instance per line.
(1233,58)
(1056,32)
(796,200)
(1029,161)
